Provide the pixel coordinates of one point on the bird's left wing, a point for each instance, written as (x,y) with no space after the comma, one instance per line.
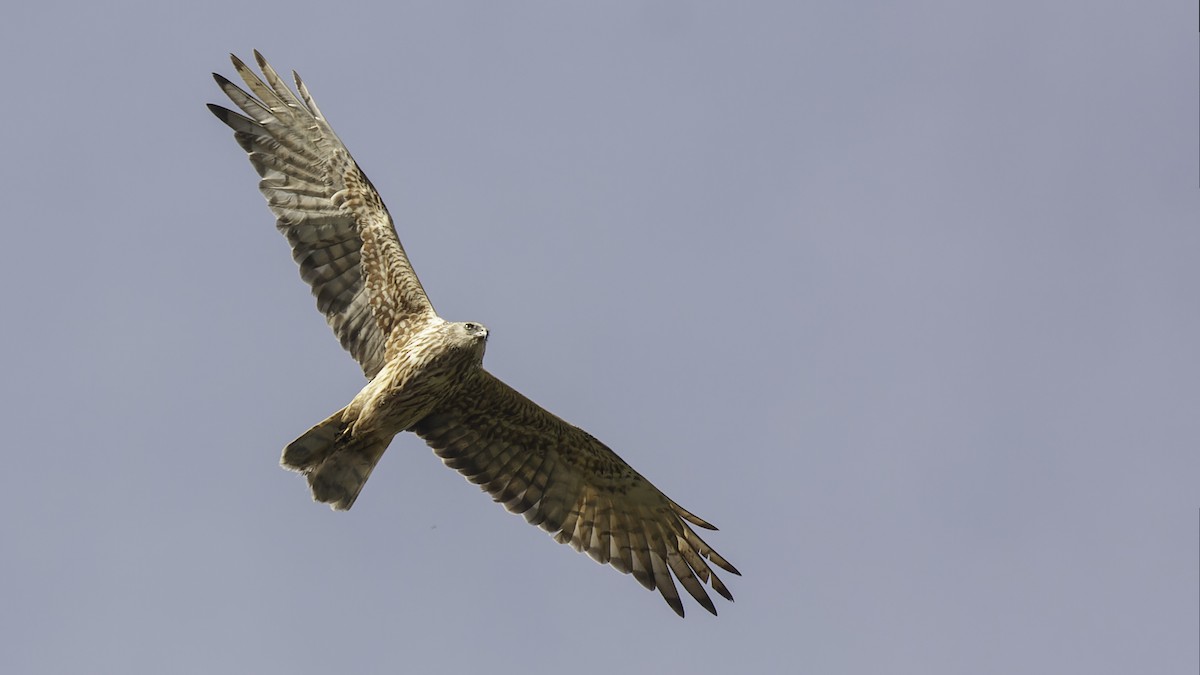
(341,233)
(573,486)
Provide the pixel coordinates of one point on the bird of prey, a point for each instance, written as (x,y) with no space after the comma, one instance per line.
(426,375)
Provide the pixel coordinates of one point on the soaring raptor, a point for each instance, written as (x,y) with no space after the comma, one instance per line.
(426,375)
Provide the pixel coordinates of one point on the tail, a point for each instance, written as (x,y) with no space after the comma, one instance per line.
(337,464)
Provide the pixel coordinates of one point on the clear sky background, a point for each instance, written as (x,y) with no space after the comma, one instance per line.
(901,296)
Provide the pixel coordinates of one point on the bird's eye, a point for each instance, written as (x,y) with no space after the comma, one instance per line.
(471,327)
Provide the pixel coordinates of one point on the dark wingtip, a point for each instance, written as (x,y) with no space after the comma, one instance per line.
(677,606)
(719,587)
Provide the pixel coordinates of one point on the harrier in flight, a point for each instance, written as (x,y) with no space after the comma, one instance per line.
(426,375)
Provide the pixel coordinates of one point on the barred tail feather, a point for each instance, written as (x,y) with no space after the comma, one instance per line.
(337,465)
(307,452)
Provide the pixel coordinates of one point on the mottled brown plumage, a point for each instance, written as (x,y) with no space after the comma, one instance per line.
(425,374)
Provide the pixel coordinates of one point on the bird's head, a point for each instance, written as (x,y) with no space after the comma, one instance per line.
(470,335)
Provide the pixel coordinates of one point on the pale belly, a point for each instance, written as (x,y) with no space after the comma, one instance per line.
(400,396)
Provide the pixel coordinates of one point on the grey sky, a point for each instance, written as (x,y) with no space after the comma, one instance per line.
(902,297)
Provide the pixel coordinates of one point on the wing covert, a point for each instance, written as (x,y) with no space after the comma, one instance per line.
(570,484)
(341,234)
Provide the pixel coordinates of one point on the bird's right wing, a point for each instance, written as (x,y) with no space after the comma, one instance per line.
(573,486)
(341,233)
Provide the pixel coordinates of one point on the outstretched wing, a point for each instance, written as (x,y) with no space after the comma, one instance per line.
(571,485)
(341,233)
